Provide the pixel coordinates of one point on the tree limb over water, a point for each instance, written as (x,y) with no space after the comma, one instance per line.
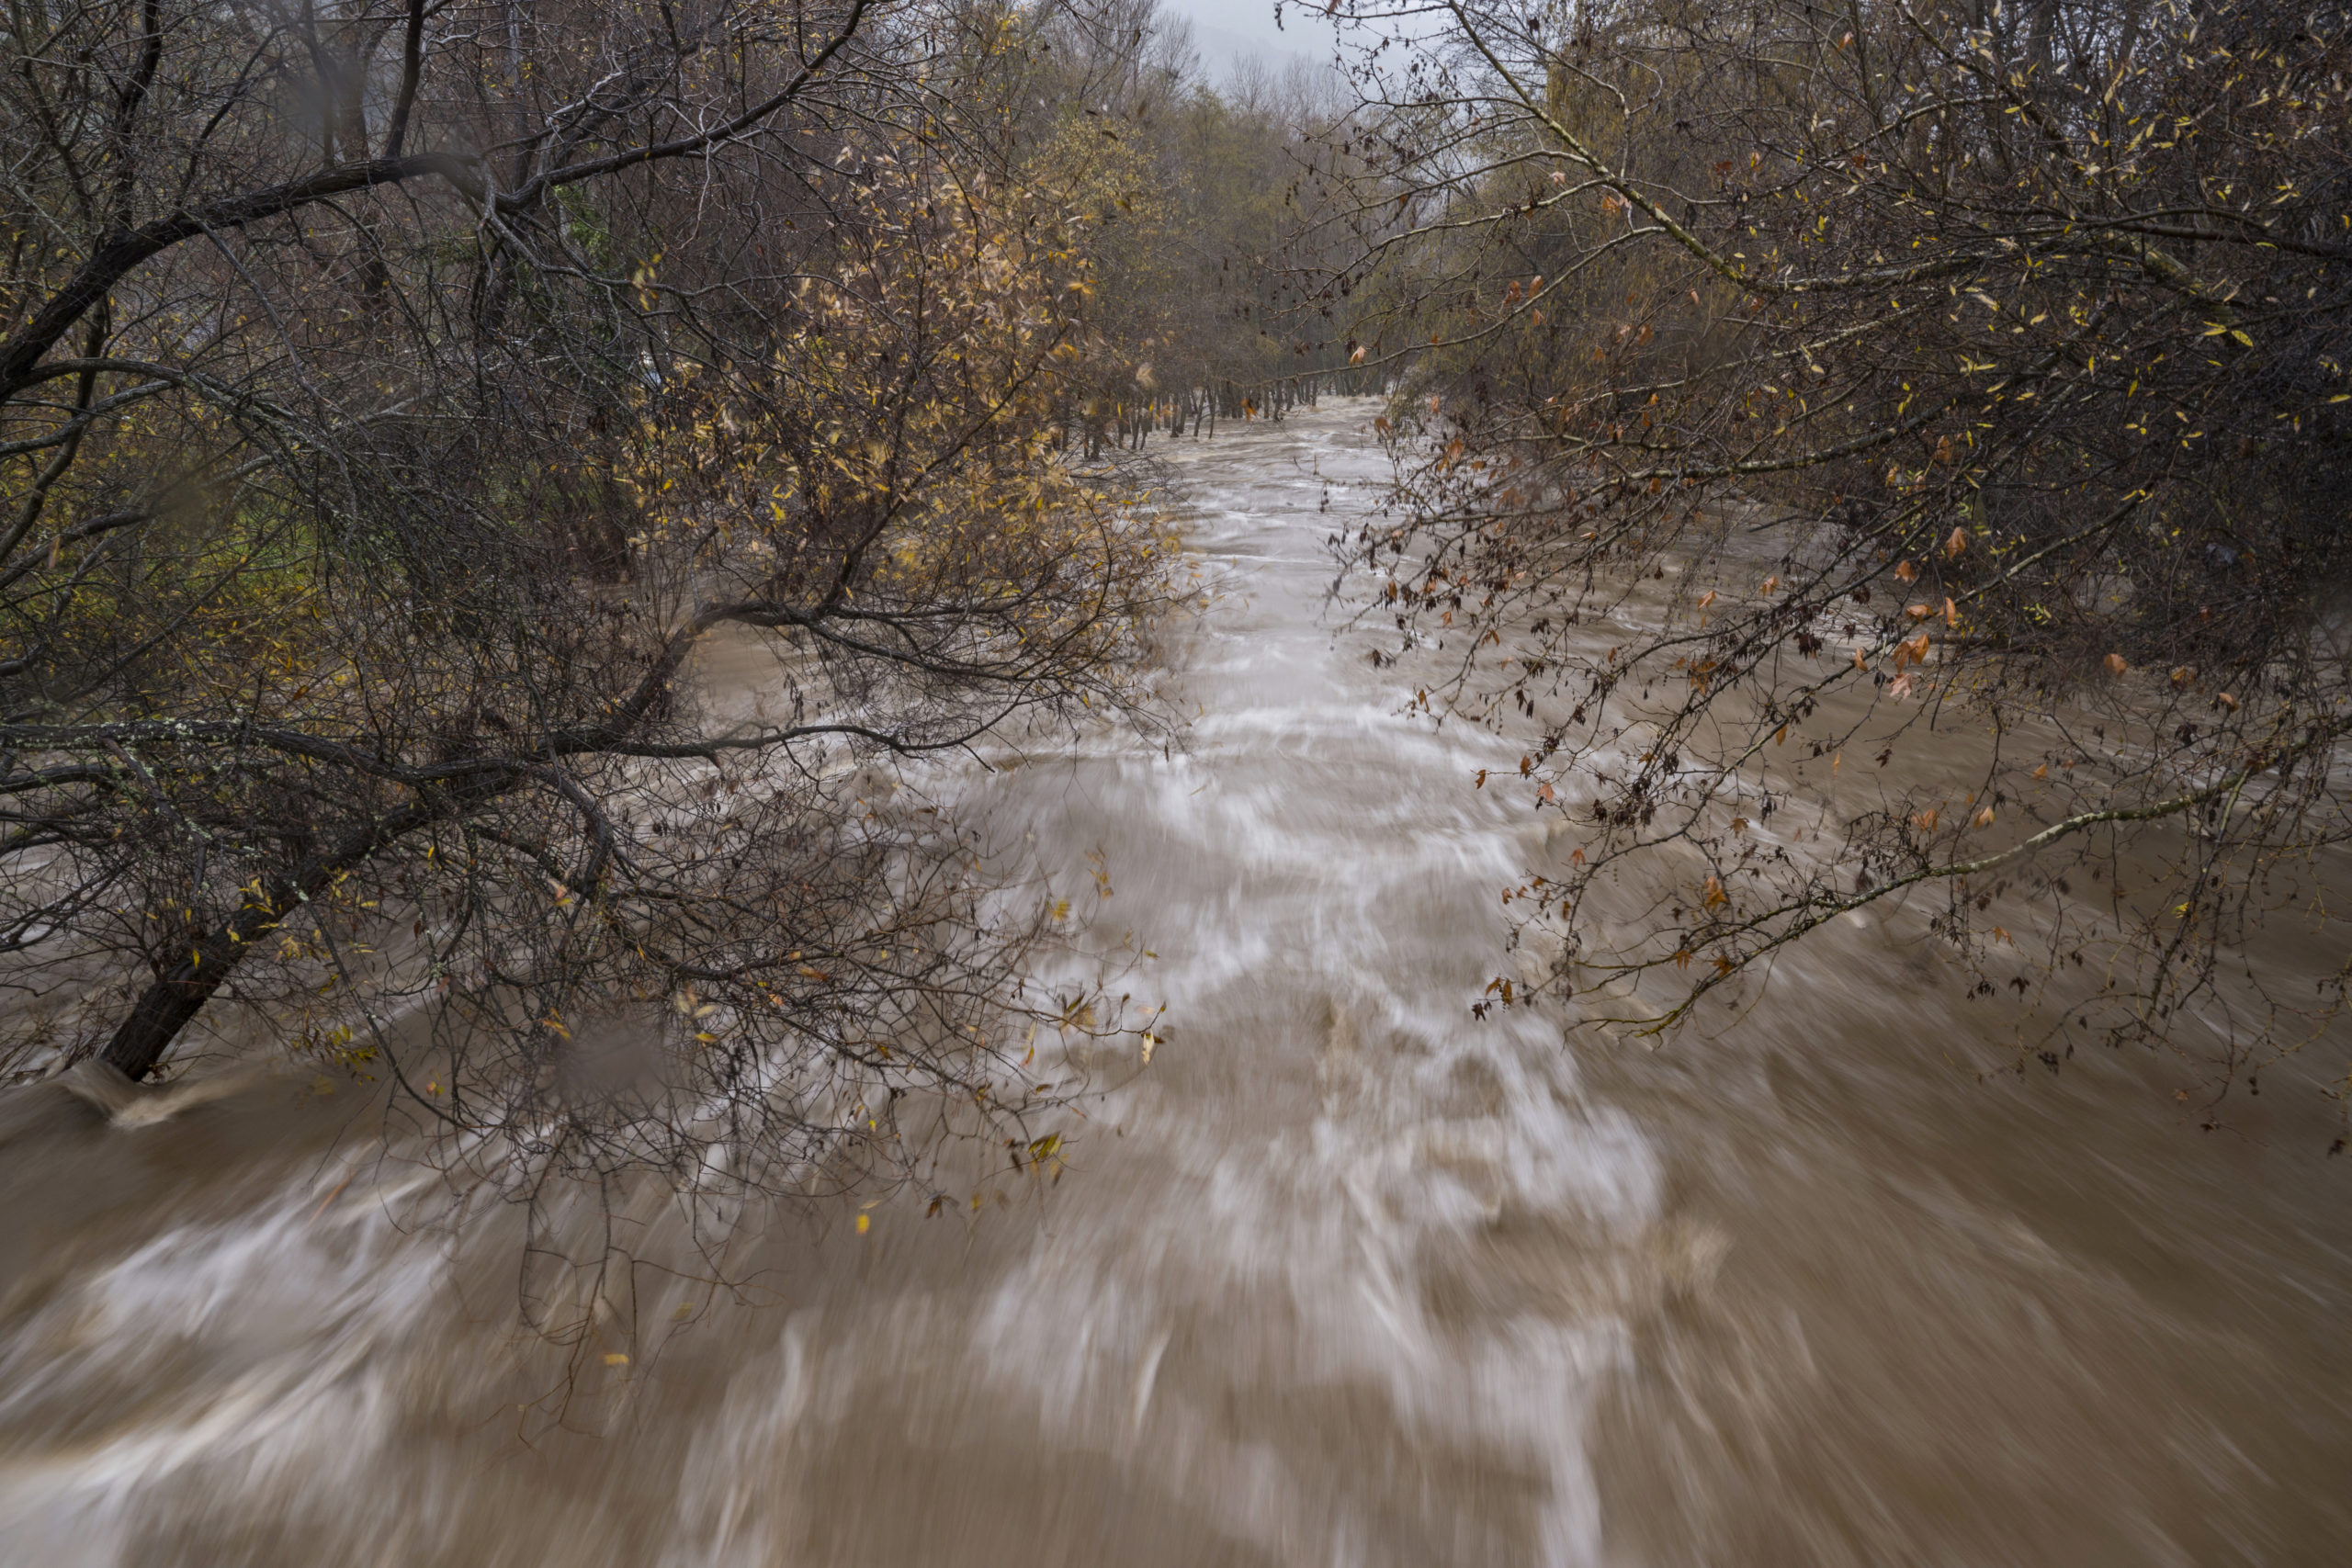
(367,569)
(1826,435)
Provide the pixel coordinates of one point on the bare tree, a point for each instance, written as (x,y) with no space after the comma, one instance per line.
(405,408)
(1888,453)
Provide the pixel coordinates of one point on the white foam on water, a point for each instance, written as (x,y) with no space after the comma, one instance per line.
(1297,849)
(1284,1296)
(260,1356)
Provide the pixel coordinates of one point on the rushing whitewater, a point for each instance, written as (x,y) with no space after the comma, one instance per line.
(1339,1276)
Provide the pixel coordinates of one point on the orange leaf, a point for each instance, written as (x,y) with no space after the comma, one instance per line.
(2115,664)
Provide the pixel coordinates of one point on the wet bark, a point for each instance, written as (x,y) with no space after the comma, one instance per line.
(174,998)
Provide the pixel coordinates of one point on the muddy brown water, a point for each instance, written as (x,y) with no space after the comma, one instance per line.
(1341,1277)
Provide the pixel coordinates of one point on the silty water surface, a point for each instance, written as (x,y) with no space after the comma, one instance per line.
(1342,1276)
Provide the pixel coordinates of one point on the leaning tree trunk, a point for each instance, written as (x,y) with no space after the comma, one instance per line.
(178,994)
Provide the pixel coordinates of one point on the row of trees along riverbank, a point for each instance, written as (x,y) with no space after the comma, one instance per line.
(1921,430)
(400,412)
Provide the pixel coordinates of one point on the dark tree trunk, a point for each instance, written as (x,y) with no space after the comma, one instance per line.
(168,1005)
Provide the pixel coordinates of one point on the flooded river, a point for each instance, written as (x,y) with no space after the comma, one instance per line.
(1340,1277)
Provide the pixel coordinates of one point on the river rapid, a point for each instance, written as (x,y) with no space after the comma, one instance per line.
(1340,1276)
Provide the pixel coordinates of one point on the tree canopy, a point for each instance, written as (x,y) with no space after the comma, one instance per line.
(1886,455)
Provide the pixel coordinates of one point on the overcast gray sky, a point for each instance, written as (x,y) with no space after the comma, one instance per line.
(1224,29)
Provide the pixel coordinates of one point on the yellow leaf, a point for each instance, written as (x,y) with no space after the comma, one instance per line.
(616,1360)
(865,1223)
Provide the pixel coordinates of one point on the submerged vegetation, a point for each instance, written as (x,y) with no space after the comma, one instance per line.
(1790,385)
(406,410)
(407,407)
